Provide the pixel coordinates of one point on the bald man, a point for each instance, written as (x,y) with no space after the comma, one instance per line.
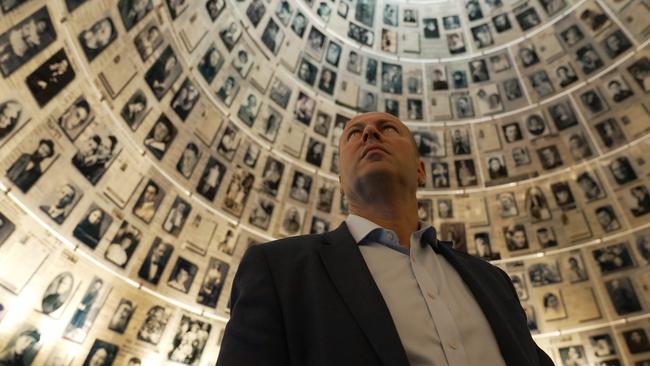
(380,289)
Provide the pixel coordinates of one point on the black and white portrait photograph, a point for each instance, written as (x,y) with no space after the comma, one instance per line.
(57,294)
(544,273)
(550,157)
(7,227)
(566,75)
(161,135)
(473,9)
(291,220)
(307,71)
(640,198)
(573,355)
(189,340)
(536,126)
(148,201)
(182,275)
(97,37)
(391,78)
(60,201)
(283,11)
(462,104)
(87,310)
(617,89)
(177,216)
(520,156)
(273,36)
(484,248)
(590,186)
(460,141)
(466,173)
(623,296)
(456,43)
(318,226)
(516,237)
(50,77)
(132,11)
(640,72)
(562,115)
(12,118)
(241,183)
(445,208)
(92,226)
(479,70)
(229,141)
(122,316)
(541,83)
(230,34)
(327,80)
(594,17)
(637,341)
(212,283)
(315,152)
(315,44)
(430,143)
(563,195)
(546,237)
(322,123)
(299,24)
(300,186)
(211,178)
(602,345)
(528,55)
(135,109)
(154,324)
(228,90)
(214,9)
(252,155)
(75,118)
(496,167)
(123,245)
(97,147)
(210,63)
(518,280)
(614,257)
(607,218)
(261,213)
(9,5)
(574,269)
(528,19)
(501,22)
(148,40)
(28,167)
(579,147)
(280,93)
(255,11)
(23,41)
(185,99)
(163,73)
(507,204)
(249,107)
(304,108)
(482,36)
(451,22)
(536,204)
(622,170)
(431,29)
(154,263)
(22,346)
(588,59)
(243,60)
(593,102)
(512,132)
(410,17)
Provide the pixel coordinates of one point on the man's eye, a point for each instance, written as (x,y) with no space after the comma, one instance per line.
(352,133)
(389,127)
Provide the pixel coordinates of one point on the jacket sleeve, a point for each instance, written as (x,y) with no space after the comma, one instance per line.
(255,333)
(544,359)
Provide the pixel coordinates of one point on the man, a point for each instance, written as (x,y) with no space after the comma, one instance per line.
(352,296)
(62,205)
(26,170)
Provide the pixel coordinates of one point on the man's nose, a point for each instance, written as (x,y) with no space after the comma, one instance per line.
(370,131)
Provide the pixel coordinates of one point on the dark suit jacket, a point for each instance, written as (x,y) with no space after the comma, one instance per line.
(311,300)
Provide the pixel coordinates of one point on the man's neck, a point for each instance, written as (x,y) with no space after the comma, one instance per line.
(402,217)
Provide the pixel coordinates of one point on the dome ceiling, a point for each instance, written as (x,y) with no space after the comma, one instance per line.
(145,145)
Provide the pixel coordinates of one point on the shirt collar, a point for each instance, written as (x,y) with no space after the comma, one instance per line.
(363,230)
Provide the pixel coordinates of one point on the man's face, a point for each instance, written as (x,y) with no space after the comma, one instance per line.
(99,358)
(149,193)
(44,150)
(66,194)
(160,132)
(8,114)
(395,156)
(604,218)
(519,238)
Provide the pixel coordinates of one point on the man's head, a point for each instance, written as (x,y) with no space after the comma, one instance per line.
(377,147)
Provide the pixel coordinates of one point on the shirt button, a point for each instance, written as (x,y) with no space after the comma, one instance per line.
(453,345)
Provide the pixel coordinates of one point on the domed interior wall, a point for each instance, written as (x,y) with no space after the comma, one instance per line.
(146,144)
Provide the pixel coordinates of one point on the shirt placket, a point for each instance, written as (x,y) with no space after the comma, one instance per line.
(447,329)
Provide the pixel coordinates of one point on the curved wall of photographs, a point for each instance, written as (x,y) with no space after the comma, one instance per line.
(146,144)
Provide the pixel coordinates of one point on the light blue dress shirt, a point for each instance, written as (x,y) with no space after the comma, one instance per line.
(436,316)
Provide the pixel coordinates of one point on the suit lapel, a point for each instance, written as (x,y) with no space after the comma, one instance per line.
(508,341)
(351,277)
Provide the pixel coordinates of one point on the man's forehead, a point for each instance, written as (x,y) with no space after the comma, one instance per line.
(365,118)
